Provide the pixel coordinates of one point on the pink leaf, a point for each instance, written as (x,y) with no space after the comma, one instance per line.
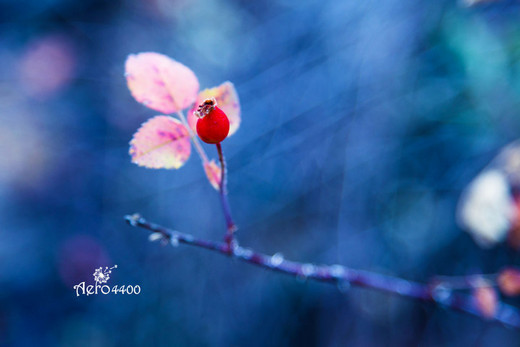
(509,281)
(160,83)
(486,301)
(227,101)
(213,172)
(161,143)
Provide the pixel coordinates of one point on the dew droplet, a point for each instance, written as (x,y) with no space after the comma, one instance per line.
(174,241)
(247,253)
(308,269)
(276,259)
(154,237)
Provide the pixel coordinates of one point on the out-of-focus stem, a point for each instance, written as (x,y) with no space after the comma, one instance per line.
(466,282)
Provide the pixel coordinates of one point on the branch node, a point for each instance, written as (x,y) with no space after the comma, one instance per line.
(231,243)
(243,253)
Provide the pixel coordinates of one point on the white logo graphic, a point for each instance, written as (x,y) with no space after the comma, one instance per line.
(101,277)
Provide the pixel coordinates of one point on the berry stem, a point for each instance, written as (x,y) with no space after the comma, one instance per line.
(339,275)
(231,227)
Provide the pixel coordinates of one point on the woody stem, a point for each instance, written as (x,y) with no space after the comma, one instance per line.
(231,228)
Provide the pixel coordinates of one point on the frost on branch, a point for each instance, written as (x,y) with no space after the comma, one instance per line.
(227,100)
(161,143)
(160,82)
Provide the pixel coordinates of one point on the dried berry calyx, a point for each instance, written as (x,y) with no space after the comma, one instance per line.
(213,124)
(206,107)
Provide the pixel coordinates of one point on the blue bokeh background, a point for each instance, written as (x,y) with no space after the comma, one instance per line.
(362,123)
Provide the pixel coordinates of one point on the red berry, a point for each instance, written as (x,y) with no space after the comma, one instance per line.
(213,124)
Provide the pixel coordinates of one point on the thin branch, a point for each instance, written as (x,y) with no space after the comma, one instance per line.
(231,227)
(338,274)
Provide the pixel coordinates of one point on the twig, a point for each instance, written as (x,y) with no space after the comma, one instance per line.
(338,274)
(231,227)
